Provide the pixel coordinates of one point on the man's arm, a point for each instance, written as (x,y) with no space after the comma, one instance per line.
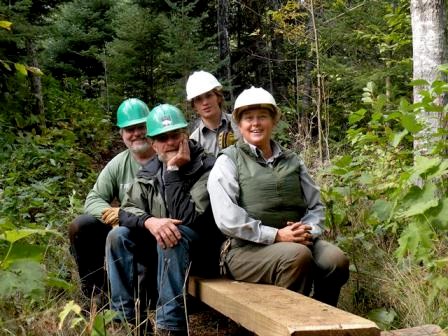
(133,211)
(185,202)
(102,194)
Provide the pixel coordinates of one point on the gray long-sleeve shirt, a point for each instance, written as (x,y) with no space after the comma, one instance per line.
(234,221)
(208,138)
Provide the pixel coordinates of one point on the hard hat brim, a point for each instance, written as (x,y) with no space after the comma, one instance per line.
(132,123)
(275,111)
(197,94)
(167,129)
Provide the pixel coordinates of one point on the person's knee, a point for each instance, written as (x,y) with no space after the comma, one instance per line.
(335,266)
(342,271)
(302,261)
(295,268)
(295,259)
(79,225)
(117,236)
(300,257)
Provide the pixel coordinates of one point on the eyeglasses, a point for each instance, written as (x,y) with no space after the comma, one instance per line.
(167,136)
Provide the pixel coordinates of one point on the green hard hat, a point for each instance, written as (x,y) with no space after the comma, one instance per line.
(131,112)
(164,118)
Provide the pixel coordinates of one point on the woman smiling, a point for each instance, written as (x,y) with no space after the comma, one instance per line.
(265,201)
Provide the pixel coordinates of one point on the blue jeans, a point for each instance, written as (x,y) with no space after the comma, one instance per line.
(124,247)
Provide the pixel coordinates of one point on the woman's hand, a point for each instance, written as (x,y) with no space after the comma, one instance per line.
(295,232)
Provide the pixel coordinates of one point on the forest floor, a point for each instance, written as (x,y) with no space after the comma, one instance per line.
(203,321)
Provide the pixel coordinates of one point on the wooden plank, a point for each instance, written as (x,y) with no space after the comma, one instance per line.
(274,311)
(424,330)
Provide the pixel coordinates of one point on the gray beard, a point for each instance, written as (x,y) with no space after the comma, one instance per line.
(139,149)
(165,157)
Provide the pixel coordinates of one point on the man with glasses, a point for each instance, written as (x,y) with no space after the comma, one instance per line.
(88,232)
(165,215)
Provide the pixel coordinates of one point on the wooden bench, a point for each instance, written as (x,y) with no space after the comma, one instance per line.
(269,310)
(424,330)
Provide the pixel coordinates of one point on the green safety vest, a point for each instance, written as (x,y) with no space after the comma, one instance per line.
(272,195)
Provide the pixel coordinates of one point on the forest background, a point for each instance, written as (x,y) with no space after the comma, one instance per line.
(342,74)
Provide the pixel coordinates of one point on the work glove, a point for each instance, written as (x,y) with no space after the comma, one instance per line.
(225,139)
(110,216)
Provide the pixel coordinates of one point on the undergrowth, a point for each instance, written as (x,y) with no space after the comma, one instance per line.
(385,207)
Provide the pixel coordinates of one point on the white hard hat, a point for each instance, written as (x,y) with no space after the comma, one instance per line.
(255,96)
(201,82)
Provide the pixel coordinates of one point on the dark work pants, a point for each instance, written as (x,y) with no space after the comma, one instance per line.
(87,244)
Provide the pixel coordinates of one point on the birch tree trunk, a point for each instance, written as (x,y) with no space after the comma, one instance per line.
(429,51)
(319,81)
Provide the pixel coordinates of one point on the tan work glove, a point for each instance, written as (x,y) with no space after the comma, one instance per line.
(225,139)
(110,216)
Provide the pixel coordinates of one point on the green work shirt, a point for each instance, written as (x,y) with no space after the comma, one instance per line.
(112,183)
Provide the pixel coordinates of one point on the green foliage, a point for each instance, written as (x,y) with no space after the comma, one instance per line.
(95,328)
(43,183)
(186,48)
(364,44)
(382,317)
(400,199)
(25,277)
(132,65)
(80,30)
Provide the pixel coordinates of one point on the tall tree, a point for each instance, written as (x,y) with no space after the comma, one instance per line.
(23,45)
(187,47)
(224,42)
(429,24)
(81,30)
(134,55)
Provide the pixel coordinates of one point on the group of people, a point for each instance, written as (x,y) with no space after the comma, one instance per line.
(226,199)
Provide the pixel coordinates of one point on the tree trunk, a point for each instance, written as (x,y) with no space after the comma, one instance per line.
(224,43)
(36,84)
(319,83)
(429,51)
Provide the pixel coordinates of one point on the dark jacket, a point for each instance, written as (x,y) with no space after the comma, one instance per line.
(178,194)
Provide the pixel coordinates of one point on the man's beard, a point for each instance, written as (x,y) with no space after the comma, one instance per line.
(140,148)
(165,157)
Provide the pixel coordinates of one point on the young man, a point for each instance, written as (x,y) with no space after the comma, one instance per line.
(88,232)
(216,130)
(166,214)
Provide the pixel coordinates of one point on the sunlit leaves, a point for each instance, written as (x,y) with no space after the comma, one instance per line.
(356,116)
(395,138)
(69,308)
(35,71)
(5,24)
(21,69)
(15,235)
(100,320)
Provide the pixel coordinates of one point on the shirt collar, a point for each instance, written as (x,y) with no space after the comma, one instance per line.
(223,122)
(276,151)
